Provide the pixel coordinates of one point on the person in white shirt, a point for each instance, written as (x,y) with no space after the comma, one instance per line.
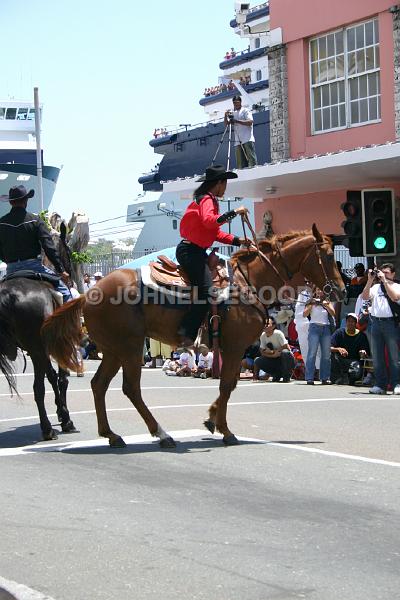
(204,363)
(384,294)
(242,121)
(302,324)
(87,284)
(186,363)
(321,313)
(276,358)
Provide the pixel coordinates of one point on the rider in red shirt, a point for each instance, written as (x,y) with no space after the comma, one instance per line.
(200,228)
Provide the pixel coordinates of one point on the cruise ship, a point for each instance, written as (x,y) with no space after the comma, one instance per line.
(186,151)
(18,155)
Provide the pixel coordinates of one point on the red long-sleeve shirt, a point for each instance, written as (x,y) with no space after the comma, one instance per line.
(199,223)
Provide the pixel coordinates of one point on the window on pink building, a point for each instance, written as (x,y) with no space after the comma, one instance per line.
(345,78)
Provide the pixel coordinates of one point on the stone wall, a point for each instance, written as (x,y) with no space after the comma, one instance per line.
(278,103)
(396,60)
(396,57)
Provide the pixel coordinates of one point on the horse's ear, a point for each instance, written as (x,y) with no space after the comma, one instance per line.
(316,233)
(63,231)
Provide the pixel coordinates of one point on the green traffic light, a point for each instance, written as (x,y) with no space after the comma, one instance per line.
(379,243)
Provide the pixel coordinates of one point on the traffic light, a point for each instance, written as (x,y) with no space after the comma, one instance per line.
(379,225)
(352,226)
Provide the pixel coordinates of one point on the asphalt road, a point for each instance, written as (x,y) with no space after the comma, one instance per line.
(306,507)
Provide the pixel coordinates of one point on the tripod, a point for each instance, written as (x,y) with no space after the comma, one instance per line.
(229,129)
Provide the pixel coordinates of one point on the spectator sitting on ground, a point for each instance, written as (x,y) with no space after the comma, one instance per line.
(251,353)
(204,363)
(171,365)
(187,363)
(276,358)
(348,344)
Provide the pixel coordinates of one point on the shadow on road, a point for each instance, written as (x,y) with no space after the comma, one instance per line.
(182,447)
(295,442)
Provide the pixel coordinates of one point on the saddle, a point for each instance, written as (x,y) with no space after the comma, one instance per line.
(166,272)
(27,274)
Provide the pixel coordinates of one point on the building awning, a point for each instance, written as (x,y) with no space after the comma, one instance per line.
(362,167)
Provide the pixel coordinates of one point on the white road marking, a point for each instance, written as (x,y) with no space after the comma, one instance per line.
(179,435)
(22,592)
(193,405)
(375,461)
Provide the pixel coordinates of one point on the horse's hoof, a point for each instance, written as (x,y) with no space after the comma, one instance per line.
(210,425)
(167,442)
(117,443)
(231,440)
(50,435)
(68,427)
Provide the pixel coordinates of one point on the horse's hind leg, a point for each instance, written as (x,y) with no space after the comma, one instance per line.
(39,367)
(59,383)
(132,366)
(107,370)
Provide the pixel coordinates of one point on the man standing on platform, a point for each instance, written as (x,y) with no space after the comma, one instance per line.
(242,121)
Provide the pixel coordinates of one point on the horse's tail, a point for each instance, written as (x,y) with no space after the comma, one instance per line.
(61,333)
(8,341)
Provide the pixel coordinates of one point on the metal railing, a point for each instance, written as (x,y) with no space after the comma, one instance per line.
(117,258)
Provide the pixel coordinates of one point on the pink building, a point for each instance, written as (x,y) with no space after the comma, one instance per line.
(335,109)
(334,101)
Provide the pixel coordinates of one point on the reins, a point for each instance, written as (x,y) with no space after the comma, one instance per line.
(328,287)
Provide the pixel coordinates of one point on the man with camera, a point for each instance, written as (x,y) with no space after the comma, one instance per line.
(242,121)
(384,293)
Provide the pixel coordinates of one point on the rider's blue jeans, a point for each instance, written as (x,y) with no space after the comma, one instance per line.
(35,264)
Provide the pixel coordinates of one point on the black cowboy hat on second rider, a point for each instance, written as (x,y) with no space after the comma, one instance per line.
(19,192)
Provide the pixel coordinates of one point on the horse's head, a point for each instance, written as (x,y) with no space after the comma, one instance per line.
(319,266)
(63,248)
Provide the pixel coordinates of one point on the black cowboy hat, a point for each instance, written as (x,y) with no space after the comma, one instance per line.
(217,173)
(19,192)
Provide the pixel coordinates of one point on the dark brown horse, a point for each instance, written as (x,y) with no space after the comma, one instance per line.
(120,326)
(24,305)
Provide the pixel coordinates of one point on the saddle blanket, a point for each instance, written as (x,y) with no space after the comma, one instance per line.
(175,295)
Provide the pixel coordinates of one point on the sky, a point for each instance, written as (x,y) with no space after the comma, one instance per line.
(108,74)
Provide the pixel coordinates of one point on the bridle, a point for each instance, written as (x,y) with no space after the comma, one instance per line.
(328,285)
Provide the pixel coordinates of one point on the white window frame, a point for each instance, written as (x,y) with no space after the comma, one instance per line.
(346,78)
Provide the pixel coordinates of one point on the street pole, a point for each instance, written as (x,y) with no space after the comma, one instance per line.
(38,148)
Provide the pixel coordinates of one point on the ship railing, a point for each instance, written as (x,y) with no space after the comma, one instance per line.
(185,127)
(258,7)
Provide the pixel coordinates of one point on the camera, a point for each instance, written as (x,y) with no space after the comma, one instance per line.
(241,10)
(230,116)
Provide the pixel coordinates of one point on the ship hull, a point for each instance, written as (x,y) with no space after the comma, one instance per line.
(18,174)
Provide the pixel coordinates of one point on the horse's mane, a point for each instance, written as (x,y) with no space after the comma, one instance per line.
(273,243)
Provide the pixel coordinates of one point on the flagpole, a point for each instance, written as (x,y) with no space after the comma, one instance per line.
(38,148)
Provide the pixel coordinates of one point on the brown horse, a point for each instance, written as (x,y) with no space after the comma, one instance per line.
(119,326)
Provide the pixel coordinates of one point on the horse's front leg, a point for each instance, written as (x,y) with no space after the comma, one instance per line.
(217,411)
